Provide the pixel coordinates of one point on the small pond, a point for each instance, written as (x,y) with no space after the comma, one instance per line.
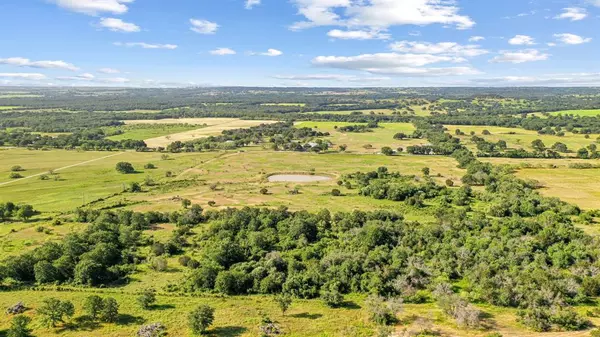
(296,178)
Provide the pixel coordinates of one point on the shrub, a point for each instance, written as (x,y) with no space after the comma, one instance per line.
(17,168)
(110,310)
(264,191)
(332,297)
(16,309)
(15,175)
(150,166)
(159,264)
(449,183)
(93,306)
(152,330)
(147,298)
(268,328)
(200,319)
(284,301)
(212,203)
(19,327)
(335,192)
(124,168)
(54,311)
(381,311)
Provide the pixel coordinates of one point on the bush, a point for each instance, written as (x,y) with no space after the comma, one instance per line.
(15,175)
(268,328)
(200,319)
(381,311)
(449,183)
(332,297)
(19,327)
(147,299)
(264,191)
(150,166)
(54,311)
(335,192)
(17,168)
(284,301)
(110,310)
(16,309)
(124,168)
(159,264)
(93,306)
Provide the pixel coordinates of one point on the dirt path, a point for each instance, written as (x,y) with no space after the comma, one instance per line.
(62,168)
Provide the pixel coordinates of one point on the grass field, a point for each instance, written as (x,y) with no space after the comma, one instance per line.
(212,127)
(380,137)
(146,131)
(84,183)
(8,107)
(348,112)
(521,138)
(284,104)
(583,113)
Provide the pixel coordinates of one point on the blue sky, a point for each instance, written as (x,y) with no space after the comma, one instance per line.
(147,43)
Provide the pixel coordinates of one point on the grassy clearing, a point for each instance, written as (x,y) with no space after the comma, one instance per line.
(82,184)
(380,137)
(212,127)
(9,107)
(284,104)
(583,113)
(145,131)
(520,138)
(348,112)
(241,176)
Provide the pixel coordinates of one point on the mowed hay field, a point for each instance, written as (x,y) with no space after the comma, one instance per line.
(90,180)
(520,138)
(378,138)
(583,113)
(239,177)
(211,127)
(147,131)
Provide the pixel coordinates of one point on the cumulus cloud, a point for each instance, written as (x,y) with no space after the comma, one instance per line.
(476,38)
(567,38)
(146,45)
(223,51)
(521,40)
(252,3)
(94,7)
(109,71)
(331,77)
(395,64)
(379,14)
(24,76)
(573,14)
(118,25)
(521,56)
(270,52)
(446,48)
(358,35)
(203,26)
(24,62)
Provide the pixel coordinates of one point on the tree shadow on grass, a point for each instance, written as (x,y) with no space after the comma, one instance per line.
(125,319)
(228,331)
(162,307)
(307,315)
(81,323)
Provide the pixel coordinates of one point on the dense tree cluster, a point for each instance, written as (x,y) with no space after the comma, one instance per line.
(10,210)
(86,140)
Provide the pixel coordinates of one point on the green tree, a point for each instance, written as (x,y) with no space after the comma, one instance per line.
(538,145)
(284,301)
(147,298)
(110,310)
(125,168)
(93,306)
(185,203)
(19,327)
(388,151)
(25,212)
(200,319)
(54,311)
(426,171)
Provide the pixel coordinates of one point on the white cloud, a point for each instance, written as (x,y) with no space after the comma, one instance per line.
(146,45)
(594,2)
(252,3)
(118,25)
(521,56)
(358,35)
(82,77)
(379,14)
(331,77)
(476,38)
(113,80)
(446,48)
(95,7)
(24,76)
(572,38)
(109,71)
(556,80)
(521,40)
(395,64)
(23,62)
(203,26)
(270,52)
(573,14)
(223,51)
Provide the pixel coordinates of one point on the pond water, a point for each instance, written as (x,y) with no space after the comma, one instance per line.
(296,178)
